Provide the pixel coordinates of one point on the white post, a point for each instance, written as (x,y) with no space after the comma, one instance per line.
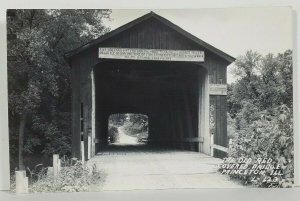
(211,145)
(82,151)
(89,146)
(56,164)
(21,182)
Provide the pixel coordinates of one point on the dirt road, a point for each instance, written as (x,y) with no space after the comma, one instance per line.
(142,167)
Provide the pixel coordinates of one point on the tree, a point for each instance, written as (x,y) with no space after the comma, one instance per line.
(117,120)
(136,124)
(39,77)
(264,83)
(260,108)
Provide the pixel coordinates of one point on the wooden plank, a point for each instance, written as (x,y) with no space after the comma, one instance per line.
(193,139)
(218,89)
(221,148)
(151,54)
(220,136)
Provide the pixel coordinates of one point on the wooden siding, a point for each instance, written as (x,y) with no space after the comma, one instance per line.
(220,135)
(75,108)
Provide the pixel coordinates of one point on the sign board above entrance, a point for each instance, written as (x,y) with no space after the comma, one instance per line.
(151,54)
(217,89)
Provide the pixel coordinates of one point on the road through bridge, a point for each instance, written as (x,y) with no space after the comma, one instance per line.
(142,167)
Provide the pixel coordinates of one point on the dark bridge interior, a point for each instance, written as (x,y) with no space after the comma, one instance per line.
(168,92)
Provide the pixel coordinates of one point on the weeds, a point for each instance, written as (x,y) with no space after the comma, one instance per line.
(73,177)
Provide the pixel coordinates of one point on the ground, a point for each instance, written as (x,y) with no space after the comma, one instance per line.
(125,139)
(139,167)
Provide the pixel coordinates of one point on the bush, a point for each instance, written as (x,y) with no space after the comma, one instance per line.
(271,136)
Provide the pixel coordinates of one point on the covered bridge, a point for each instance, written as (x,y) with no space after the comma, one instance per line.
(150,66)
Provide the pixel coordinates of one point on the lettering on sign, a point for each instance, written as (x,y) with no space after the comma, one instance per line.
(217,89)
(151,54)
(212,121)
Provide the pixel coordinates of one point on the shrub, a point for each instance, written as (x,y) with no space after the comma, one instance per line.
(271,136)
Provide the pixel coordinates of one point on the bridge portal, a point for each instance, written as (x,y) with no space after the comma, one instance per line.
(153,67)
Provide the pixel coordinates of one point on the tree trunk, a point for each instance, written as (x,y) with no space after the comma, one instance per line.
(21,141)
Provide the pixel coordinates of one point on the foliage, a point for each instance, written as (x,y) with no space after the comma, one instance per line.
(74,177)
(133,124)
(113,134)
(136,124)
(260,113)
(268,137)
(231,129)
(117,119)
(39,77)
(263,82)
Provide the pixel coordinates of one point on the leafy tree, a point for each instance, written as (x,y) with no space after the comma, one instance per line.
(260,108)
(39,77)
(138,122)
(246,88)
(117,119)
(264,83)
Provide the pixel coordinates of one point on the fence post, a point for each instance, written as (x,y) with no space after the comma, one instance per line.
(211,145)
(21,182)
(56,164)
(89,146)
(82,151)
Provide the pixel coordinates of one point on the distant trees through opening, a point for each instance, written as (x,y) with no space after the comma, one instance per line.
(128,129)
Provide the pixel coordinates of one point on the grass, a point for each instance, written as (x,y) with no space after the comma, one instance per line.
(73,177)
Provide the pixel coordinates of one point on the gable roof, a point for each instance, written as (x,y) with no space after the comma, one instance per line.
(166,22)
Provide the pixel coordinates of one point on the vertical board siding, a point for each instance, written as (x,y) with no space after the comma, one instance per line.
(75,108)
(152,34)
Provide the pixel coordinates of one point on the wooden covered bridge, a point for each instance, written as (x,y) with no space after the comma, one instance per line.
(150,66)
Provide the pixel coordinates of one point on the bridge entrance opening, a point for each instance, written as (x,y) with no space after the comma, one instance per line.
(169,94)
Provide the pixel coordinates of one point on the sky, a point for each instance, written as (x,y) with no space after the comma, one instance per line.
(232,30)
